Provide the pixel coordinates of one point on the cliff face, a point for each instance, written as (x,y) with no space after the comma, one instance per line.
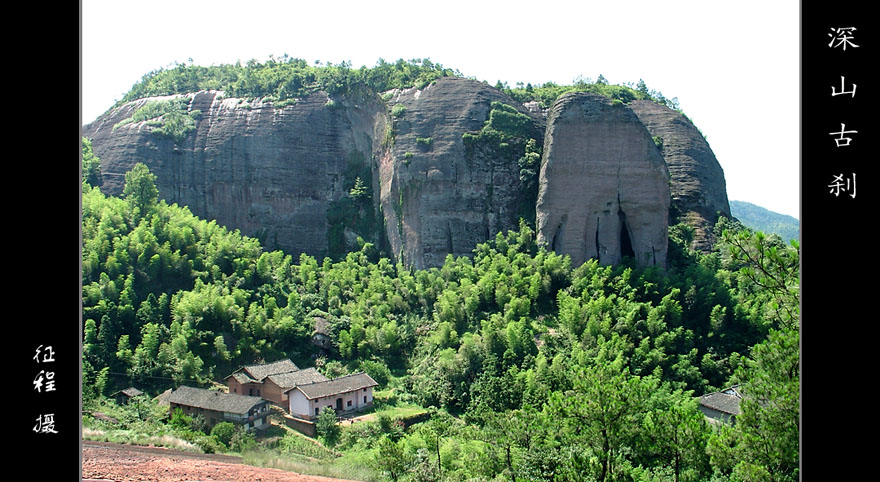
(437,197)
(604,188)
(417,174)
(699,191)
(268,171)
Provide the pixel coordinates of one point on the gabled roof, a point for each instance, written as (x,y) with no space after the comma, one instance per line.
(734,390)
(213,400)
(129,392)
(348,383)
(258,372)
(726,401)
(301,377)
(321,326)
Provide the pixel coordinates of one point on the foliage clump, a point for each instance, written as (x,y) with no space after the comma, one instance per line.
(511,136)
(286,78)
(548,92)
(166,117)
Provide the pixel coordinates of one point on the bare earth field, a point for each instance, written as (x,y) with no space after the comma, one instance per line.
(107,462)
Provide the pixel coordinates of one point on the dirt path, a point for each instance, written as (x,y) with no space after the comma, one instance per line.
(359,418)
(106,462)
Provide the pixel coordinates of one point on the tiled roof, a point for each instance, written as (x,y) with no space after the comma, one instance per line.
(348,383)
(262,371)
(256,373)
(130,392)
(242,377)
(734,390)
(213,400)
(722,401)
(322,327)
(301,377)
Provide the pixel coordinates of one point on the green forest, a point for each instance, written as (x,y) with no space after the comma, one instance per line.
(531,369)
(285,79)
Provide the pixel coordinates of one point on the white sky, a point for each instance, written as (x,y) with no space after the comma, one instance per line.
(734,66)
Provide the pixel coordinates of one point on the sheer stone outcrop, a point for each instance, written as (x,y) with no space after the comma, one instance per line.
(436,198)
(316,174)
(698,189)
(268,171)
(604,187)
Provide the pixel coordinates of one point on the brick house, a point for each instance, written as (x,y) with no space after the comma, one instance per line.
(250,379)
(277,387)
(343,394)
(216,407)
(271,381)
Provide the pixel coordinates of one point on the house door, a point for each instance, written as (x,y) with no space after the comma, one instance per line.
(338,404)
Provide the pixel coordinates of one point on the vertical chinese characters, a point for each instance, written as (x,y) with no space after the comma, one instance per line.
(843,38)
(44,382)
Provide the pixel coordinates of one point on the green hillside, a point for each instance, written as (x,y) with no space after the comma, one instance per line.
(760,219)
(533,369)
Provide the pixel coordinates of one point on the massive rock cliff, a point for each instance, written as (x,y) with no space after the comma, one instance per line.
(604,187)
(423,173)
(439,197)
(272,172)
(699,191)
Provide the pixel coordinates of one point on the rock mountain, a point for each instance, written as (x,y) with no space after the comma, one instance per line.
(424,173)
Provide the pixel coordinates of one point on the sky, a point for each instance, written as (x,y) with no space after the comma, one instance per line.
(733,66)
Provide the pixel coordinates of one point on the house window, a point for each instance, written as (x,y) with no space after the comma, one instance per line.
(349,403)
(365,399)
(258,392)
(316,410)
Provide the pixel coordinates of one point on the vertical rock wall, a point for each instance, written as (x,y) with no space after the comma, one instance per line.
(699,191)
(436,199)
(268,171)
(284,173)
(604,187)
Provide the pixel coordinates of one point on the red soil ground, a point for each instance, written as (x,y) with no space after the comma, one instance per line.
(106,462)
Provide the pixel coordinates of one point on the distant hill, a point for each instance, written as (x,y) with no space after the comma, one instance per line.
(761,219)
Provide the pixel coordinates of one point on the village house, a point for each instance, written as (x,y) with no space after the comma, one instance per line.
(723,406)
(343,394)
(249,411)
(122,397)
(321,334)
(277,387)
(251,380)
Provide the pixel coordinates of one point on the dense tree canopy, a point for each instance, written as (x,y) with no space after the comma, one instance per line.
(285,78)
(546,371)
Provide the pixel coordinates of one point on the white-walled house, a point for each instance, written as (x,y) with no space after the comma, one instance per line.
(343,394)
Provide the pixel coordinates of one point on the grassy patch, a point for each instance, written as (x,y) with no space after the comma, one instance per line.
(351,466)
(167,118)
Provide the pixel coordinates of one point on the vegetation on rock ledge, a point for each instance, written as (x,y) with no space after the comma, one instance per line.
(286,78)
